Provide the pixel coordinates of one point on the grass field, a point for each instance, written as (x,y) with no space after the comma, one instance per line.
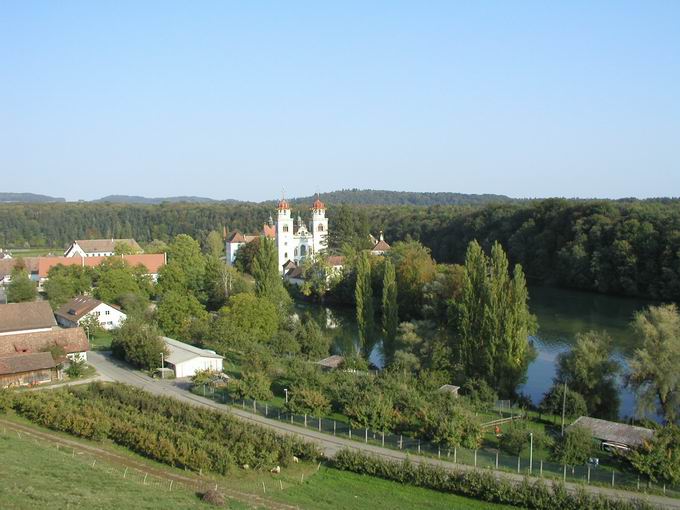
(35,474)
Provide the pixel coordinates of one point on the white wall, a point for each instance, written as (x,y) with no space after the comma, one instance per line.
(188,368)
(108,316)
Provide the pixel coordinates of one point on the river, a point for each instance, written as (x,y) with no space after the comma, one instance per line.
(561,315)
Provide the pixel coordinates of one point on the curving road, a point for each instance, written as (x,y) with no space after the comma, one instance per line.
(113,370)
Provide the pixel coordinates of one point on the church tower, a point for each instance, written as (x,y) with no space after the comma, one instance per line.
(284,233)
(319,226)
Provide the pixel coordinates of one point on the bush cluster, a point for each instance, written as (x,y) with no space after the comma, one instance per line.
(161,428)
(479,484)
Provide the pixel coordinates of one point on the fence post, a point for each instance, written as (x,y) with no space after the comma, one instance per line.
(266,409)
(475,457)
(638,484)
(418,446)
(564,474)
(305,419)
(333,427)
(613,478)
(170,485)
(541,468)
(383,439)
(319,424)
(243,404)
(439,452)
(291,417)
(255,406)
(496,459)
(518,463)
(350,432)
(588,473)
(455,455)
(366,435)
(401,441)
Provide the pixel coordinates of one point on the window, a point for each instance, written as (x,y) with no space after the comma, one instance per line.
(107,312)
(303,250)
(320,229)
(285,255)
(285,228)
(296,252)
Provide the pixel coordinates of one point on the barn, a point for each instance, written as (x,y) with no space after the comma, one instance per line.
(27,369)
(186,359)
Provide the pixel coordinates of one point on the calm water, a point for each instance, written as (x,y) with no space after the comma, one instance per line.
(561,315)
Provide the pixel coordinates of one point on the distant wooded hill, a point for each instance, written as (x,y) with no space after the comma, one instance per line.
(28,198)
(133,199)
(384,197)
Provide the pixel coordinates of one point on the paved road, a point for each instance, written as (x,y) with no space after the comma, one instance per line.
(115,371)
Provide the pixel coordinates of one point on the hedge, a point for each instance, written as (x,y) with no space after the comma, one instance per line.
(480,484)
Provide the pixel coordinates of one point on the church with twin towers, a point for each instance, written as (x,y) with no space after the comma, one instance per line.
(296,240)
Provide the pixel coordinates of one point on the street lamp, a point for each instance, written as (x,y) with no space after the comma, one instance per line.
(531,452)
(286,391)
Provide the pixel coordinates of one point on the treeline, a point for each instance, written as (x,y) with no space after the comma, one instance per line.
(614,247)
(161,428)
(384,197)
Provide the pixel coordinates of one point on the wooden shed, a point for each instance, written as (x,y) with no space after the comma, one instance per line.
(27,369)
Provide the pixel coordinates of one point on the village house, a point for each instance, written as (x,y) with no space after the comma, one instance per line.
(31,327)
(380,246)
(186,359)
(100,247)
(28,369)
(77,310)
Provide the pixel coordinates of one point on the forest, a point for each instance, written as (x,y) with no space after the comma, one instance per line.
(615,247)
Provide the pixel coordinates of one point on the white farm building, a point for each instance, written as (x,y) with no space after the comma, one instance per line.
(186,359)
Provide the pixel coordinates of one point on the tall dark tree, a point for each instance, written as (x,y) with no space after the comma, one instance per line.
(267,274)
(493,321)
(363,295)
(390,309)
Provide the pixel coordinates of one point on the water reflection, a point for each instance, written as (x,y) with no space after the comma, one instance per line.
(561,315)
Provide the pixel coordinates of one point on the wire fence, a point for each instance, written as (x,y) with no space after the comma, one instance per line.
(482,458)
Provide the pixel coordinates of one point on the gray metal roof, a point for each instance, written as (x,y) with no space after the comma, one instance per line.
(179,352)
(613,432)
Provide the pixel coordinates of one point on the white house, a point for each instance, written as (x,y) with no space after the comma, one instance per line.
(76,311)
(99,247)
(186,359)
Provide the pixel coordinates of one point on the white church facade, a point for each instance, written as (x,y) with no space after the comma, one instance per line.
(295,239)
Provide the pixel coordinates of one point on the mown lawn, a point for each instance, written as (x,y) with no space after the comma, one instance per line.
(101,341)
(332,489)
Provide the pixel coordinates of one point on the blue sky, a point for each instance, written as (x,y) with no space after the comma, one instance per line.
(244,99)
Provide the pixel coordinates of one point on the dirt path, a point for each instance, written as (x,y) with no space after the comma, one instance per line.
(187,481)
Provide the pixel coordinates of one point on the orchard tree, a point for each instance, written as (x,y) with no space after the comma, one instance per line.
(308,401)
(254,385)
(575,447)
(654,374)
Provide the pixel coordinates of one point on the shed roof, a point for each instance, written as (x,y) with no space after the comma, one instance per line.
(613,432)
(25,316)
(449,388)
(331,361)
(179,352)
(20,363)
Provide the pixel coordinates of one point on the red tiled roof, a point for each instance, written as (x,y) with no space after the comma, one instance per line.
(151,261)
(23,316)
(269,231)
(6,265)
(236,237)
(70,339)
(381,246)
(336,260)
(283,204)
(318,204)
(20,363)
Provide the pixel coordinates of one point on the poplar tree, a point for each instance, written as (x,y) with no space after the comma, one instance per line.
(268,282)
(390,310)
(493,320)
(363,295)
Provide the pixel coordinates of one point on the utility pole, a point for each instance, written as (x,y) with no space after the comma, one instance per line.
(564,405)
(162,366)
(531,452)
